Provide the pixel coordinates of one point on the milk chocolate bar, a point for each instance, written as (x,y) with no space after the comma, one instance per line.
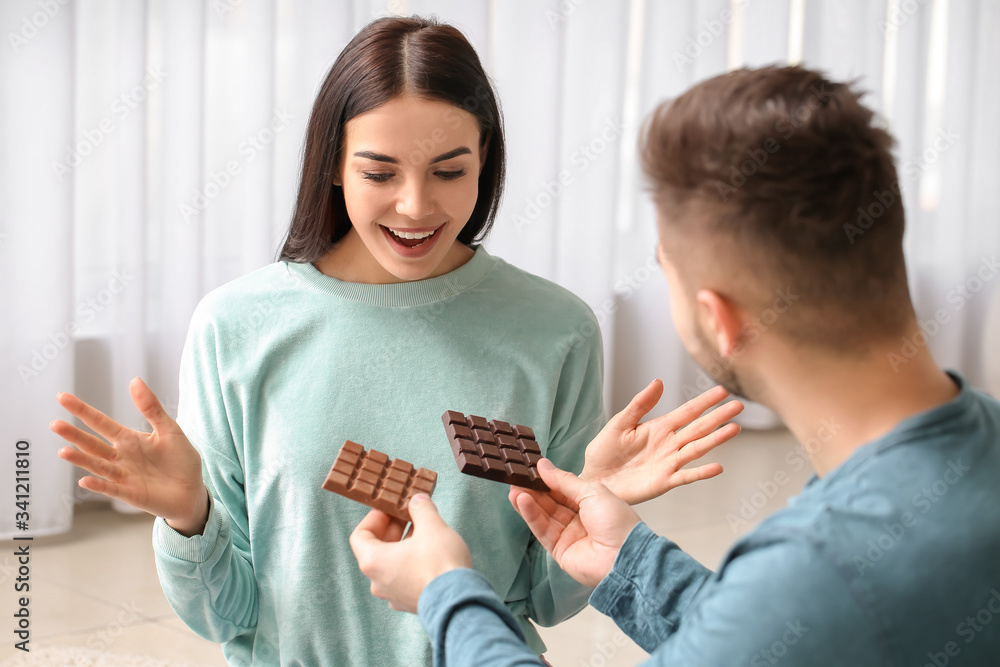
(372,478)
(494,449)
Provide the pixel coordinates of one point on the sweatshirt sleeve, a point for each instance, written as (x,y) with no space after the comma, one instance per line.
(577,417)
(209,579)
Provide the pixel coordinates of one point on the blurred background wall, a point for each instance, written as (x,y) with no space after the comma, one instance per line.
(150,149)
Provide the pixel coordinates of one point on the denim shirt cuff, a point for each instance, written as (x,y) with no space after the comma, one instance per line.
(454,589)
(629,556)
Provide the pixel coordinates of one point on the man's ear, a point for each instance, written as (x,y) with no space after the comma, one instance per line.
(722,319)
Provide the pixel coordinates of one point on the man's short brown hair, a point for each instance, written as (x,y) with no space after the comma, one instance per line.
(787,177)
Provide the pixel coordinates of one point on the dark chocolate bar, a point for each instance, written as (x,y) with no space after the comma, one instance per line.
(494,449)
(372,478)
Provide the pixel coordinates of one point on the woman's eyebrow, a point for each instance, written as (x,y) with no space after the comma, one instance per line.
(461,150)
(380,157)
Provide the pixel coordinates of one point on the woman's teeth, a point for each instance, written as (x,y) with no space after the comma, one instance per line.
(410,239)
(412,235)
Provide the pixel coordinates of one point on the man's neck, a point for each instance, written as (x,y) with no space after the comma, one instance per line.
(833,405)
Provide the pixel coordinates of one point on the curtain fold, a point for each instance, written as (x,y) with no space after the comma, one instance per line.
(41,318)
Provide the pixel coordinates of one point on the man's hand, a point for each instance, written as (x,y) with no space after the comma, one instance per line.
(401,569)
(638,462)
(582,524)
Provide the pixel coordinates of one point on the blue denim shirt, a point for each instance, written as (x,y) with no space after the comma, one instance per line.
(893,558)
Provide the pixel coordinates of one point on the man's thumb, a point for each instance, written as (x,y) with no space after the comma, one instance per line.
(422,510)
(566,483)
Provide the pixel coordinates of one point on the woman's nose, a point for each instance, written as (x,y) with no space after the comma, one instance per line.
(415,201)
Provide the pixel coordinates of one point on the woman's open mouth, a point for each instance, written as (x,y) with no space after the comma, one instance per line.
(410,239)
(411,242)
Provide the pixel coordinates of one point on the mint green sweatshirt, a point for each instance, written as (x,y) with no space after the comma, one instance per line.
(283,365)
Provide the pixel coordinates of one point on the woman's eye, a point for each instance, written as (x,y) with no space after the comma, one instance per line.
(376,176)
(450,175)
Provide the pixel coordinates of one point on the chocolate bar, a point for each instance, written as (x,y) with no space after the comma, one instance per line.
(372,478)
(494,449)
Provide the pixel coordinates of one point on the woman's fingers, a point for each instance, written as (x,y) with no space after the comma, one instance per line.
(690,411)
(106,488)
(91,453)
(149,405)
(82,440)
(639,406)
(694,450)
(689,475)
(98,421)
(92,464)
(708,424)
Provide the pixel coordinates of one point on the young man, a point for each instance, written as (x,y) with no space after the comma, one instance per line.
(772,186)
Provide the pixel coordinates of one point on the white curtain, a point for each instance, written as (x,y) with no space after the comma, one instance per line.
(150,152)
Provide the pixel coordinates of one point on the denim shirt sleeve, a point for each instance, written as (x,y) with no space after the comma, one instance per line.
(775,599)
(469,625)
(649,587)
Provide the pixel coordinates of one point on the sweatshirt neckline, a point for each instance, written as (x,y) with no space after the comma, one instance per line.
(398,295)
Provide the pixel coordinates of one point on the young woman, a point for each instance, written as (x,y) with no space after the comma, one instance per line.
(381,315)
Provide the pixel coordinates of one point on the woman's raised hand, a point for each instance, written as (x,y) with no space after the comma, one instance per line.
(158,472)
(638,462)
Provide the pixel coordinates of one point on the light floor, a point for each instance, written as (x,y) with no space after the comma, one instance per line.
(96,586)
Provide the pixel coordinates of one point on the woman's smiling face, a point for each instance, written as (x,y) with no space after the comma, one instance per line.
(410,174)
